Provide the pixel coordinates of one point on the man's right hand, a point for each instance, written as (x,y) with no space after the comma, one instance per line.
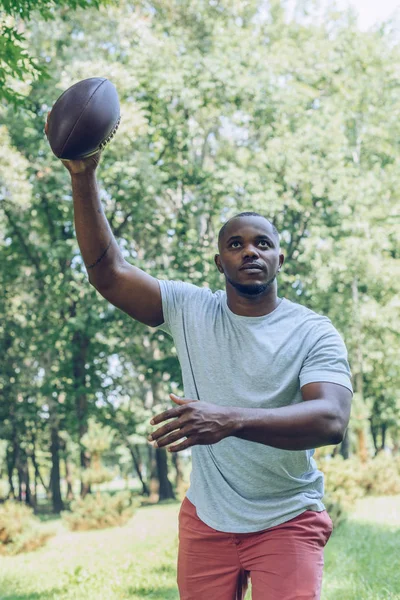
(127,287)
(76,167)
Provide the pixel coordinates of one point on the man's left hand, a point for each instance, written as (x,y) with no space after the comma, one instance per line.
(198,422)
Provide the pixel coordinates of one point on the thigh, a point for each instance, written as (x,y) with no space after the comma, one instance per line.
(286,562)
(208,562)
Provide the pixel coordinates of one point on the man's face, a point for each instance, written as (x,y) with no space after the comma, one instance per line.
(249,241)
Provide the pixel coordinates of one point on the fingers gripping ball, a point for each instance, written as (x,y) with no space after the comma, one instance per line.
(84,119)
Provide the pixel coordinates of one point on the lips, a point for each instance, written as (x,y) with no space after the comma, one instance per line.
(251,266)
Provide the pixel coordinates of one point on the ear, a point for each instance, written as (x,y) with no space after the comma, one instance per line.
(217,261)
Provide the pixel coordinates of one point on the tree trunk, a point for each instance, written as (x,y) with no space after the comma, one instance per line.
(68,478)
(345,445)
(85,464)
(34,494)
(35,488)
(81,343)
(383,433)
(159,455)
(359,375)
(396,444)
(58,505)
(373,428)
(10,471)
(68,468)
(24,492)
(362,444)
(154,482)
(177,461)
(166,491)
(38,474)
(137,465)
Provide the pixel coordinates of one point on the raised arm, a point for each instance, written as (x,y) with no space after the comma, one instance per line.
(124,285)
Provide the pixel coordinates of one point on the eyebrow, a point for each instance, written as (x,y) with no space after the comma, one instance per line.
(239,237)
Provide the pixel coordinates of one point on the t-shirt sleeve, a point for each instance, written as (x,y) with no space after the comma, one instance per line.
(174,295)
(327,360)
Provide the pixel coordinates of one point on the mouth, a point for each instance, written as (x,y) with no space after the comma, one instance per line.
(252,268)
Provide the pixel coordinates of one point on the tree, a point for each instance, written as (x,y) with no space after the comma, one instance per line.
(97,440)
(224,109)
(17,64)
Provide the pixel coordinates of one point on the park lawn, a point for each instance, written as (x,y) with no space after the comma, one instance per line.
(135,561)
(362,559)
(138,560)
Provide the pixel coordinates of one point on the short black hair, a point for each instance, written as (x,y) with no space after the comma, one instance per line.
(245,214)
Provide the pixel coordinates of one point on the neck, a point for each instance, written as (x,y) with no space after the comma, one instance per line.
(252,305)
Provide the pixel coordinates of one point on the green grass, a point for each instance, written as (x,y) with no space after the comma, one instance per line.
(362,559)
(132,562)
(138,561)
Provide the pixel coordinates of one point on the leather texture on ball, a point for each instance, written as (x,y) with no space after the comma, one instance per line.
(84,118)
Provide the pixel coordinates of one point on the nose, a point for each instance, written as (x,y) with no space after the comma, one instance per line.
(250,250)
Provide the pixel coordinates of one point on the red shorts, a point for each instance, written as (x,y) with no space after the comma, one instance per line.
(284,562)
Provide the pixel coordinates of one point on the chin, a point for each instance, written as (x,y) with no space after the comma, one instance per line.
(253,288)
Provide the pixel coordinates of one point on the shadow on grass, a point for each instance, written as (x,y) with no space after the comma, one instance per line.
(48,595)
(362,560)
(45,513)
(164,570)
(167,592)
(50,518)
(147,504)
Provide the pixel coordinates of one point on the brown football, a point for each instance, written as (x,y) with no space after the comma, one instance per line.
(84,118)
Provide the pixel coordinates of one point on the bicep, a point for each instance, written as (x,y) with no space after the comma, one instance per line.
(135,292)
(337,395)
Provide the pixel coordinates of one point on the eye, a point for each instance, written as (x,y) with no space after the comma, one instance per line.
(267,244)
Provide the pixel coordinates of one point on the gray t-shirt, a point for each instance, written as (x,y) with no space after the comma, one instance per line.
(236,485)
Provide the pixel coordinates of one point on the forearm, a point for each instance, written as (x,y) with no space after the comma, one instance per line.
(296,427)
(96,241)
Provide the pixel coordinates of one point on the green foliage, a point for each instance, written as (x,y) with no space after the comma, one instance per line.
(222,110)
(97,474)
(20,530)
(335,510)
(98,438)
(100,511)
(4,490)
(342,480)
(3,455)
(348,480)
(380,476)
(360,560)
(16,61)
(24,8)
(396,460)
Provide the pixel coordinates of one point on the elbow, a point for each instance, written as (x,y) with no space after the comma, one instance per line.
(336,438)
(102,280)
(337,433)
(93,282)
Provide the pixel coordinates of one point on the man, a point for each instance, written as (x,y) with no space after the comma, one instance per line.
(266,381)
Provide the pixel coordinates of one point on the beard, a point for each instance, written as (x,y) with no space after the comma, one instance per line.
(251,289)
